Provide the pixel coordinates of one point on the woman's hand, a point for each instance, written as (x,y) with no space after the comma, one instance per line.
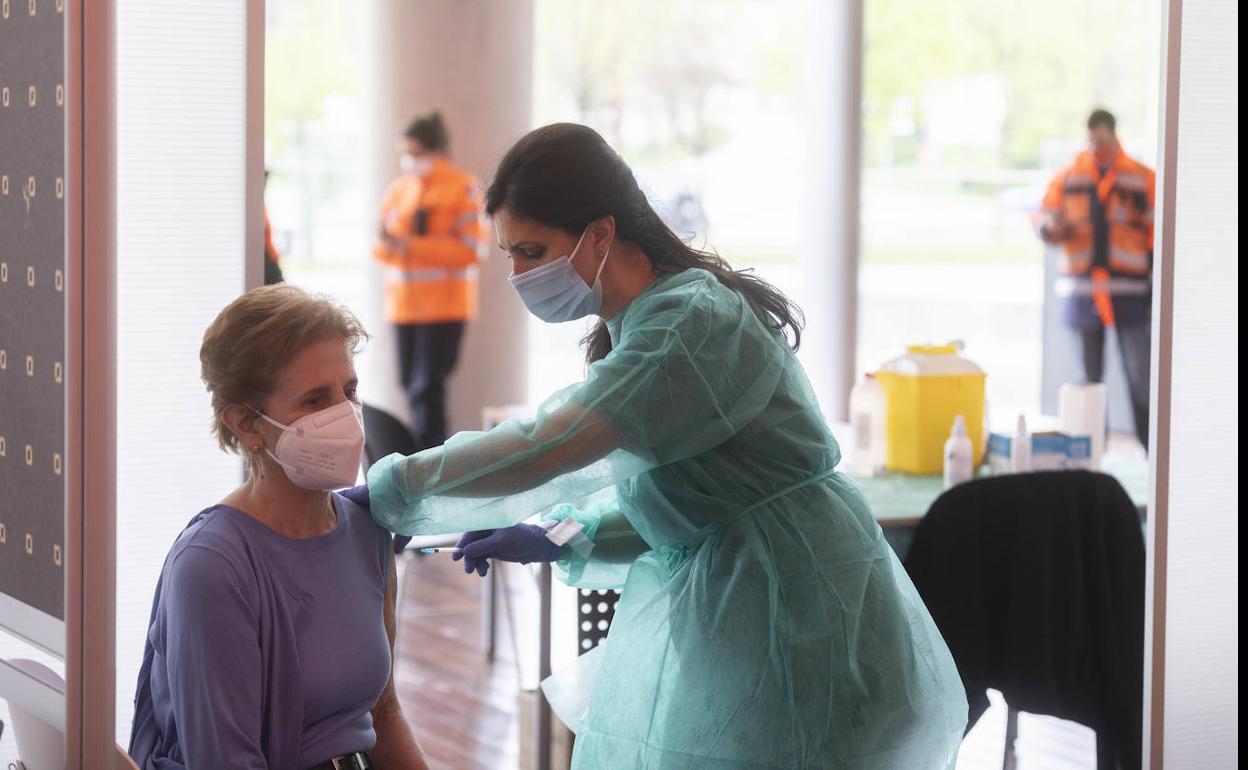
(522,543)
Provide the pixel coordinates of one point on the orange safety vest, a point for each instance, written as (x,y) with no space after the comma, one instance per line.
(1126,195)
(436,238)
(269,248)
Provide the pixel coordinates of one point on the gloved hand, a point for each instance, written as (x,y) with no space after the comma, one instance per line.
(522,543)
(357,495)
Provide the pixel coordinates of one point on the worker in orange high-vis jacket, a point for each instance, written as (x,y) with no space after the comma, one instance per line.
(272,271)
(429,242)
(1100,211)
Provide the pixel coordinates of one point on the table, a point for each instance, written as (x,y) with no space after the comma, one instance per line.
(900,500)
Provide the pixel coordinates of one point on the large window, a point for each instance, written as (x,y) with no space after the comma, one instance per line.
(316,134)
(702,101)
(969,108)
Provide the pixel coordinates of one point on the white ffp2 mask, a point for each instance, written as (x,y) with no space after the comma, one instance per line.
(416,166)
(321,451)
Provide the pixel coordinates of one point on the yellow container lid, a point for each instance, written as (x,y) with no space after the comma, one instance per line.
(933,350)
(932,360)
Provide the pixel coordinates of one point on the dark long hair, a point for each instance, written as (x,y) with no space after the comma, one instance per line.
(430,131)
(565,175)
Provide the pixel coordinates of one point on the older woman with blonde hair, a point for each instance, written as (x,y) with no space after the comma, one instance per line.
(272,629)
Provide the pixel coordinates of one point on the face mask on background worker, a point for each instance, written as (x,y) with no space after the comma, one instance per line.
(321,451)
(415,165)
(555,292)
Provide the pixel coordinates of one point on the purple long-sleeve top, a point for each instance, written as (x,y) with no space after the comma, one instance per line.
(264,651)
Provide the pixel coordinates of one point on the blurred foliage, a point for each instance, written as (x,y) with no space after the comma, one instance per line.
(609,61)
(311,54)
(1059,58)
(668,58)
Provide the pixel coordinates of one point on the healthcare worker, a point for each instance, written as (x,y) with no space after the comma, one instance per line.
(764,621)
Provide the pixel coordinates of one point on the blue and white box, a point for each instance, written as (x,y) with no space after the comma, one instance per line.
(1050,451)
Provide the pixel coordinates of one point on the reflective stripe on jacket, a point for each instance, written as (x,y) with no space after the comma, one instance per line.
(436,236)
(1123,196)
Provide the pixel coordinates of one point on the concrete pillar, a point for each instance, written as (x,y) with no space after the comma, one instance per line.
(473,61)
(833,129)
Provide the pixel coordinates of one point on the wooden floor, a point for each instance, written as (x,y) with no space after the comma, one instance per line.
(466,712)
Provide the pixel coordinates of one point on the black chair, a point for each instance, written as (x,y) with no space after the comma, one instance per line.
(595,611)
(1036,582)
(384,434)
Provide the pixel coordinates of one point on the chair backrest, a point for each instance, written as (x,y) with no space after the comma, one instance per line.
(595,610)
(1036,581)
(384,434)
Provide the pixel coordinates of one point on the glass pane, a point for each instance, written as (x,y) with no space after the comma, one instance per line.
(317,139)
(970,106)
(703,101)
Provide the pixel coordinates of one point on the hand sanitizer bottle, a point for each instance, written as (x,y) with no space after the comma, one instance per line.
(868,415)
(1020,448)
(959,466)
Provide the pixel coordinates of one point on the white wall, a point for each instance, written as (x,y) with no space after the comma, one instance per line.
(181,70)
(1192,713)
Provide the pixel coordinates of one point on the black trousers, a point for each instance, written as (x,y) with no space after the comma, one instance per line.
(1133,344)
(427,356)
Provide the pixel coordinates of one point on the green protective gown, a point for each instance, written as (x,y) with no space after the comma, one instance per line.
(764,620)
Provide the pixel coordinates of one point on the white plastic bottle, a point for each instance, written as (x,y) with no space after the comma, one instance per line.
(1081,412)
(1020,448)
(868,418)
(959,466)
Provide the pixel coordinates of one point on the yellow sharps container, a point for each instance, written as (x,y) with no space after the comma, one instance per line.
(927,388)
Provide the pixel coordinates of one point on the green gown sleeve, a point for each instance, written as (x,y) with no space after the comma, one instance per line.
(614,545)
(692,367)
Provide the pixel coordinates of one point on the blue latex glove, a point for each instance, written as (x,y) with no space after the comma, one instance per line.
(522,543)
(357,495)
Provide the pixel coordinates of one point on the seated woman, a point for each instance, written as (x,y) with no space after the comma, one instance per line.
(272,629)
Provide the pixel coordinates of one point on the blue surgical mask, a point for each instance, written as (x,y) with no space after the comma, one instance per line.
(555,292)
